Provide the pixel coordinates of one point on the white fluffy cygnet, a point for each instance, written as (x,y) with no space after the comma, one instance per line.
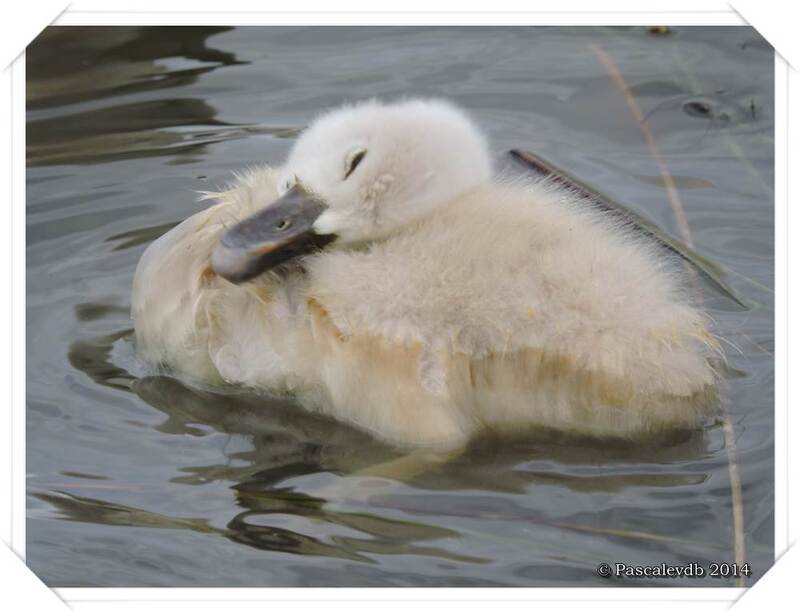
(383,277)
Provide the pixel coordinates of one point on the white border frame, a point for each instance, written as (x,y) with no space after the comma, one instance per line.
(468,598)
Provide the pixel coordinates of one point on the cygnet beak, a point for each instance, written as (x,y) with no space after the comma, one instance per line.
(279,232)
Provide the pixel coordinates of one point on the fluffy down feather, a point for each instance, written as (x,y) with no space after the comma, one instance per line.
(488,304)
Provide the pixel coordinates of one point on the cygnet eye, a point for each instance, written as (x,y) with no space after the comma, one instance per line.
(289,183)
(283,224)
(353,160)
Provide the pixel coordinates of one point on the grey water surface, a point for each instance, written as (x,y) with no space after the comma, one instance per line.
(140,479)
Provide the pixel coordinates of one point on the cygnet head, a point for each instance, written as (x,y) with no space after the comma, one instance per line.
(358,174)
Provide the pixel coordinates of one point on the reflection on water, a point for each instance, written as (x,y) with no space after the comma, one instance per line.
(286,446)
(75,64)
(95,63)
(368,534)
(138,478)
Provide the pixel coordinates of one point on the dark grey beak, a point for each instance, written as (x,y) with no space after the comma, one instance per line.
(277,233)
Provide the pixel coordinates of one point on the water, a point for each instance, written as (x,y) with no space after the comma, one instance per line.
(141,480)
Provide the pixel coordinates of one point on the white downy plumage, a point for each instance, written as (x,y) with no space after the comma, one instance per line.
(450,303)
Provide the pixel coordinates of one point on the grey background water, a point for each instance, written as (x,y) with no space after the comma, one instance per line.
(140,480)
